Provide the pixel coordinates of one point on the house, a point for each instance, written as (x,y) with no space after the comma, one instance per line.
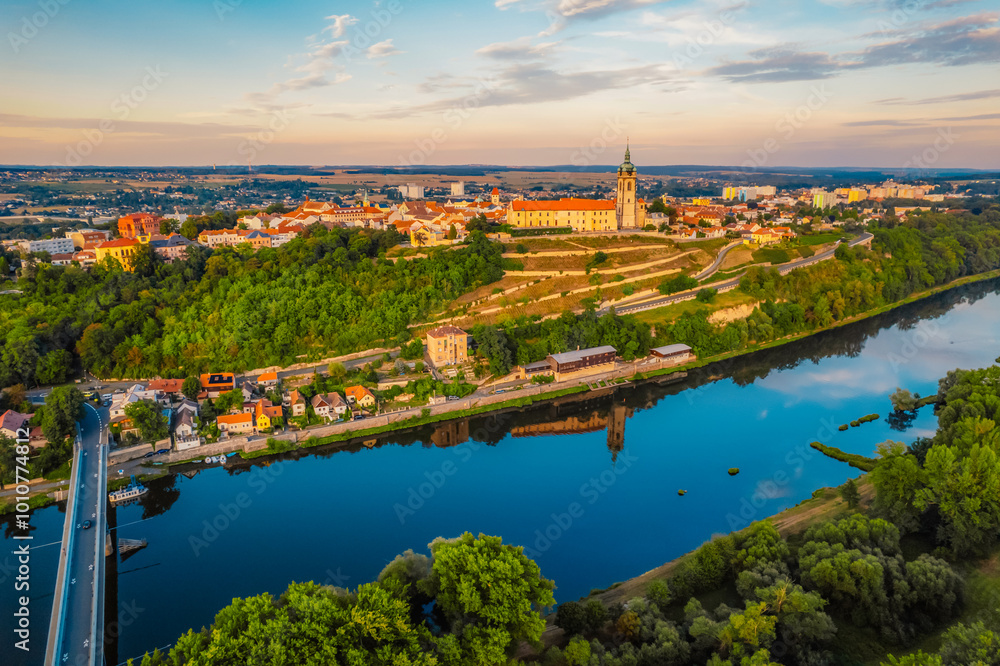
(268,380)
(677,353)
(266,413)
(139,224)
(166,386)
(235,424)
(186,426)
(134,394)
(320,406)
(214,385)
(447,345)
(170,247)
(15,425)
(296,403)
(359,395)
(594,359)
(123,250)
(338,405)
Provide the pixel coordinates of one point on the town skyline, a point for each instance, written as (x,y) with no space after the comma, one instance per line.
(513,82)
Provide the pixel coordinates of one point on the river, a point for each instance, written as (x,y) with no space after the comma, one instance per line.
(589,485)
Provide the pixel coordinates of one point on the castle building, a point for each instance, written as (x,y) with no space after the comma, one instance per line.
(625,211)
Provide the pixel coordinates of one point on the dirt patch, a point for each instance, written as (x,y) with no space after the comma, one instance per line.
(735,257)
(727,315)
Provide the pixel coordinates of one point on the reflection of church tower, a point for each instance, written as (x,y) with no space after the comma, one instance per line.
(616,429)
(451,433)
(625,208)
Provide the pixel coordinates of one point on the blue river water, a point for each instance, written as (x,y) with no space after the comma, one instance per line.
(588,485)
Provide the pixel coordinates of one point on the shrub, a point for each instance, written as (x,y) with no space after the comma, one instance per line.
(843,427)
(521,248)
(706,295)
(628,289)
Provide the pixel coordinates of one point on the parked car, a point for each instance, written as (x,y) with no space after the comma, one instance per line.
(453,397)
(149,455)
(162,451)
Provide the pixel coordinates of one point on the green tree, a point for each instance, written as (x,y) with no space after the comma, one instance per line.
(336,371)
(489,593)
(191,387)
(903,400)
(148,417)
(849,492)
(63,408)
(55,367)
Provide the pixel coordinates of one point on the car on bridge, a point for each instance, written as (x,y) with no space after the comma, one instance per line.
(87,524)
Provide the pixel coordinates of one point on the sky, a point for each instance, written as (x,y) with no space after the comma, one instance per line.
(766,83)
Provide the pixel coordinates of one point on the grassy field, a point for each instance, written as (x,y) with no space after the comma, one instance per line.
(671,312)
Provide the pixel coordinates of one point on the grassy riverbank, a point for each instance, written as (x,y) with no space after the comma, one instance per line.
(278,446)
(912,298)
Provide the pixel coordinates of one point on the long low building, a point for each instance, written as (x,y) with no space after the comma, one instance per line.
(562,365)
(677,353)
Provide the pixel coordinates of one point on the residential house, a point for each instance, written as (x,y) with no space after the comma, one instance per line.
(321,406)
(266,413)
(134,394)
(268,380)
(214,385)
(236,424)
(296,403)
(139,224)
(447,345)
(123,250)
(186,426)
(15,425)
(170,247)
(169,387)
(360,396)
(84,237)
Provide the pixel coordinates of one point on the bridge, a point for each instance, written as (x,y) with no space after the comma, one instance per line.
(76,630)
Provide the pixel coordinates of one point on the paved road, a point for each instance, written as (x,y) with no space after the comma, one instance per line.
(729,284)
(78,642)
(713,269)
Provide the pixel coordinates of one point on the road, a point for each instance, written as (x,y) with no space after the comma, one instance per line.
(79,641)
(711,270)
(731,283)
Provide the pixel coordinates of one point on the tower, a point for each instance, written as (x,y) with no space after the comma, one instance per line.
(625,206)
(495,196)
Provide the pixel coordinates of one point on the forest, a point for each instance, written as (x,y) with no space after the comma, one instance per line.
(872,582)
(328,292)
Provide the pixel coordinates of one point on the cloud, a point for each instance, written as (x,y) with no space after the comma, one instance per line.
(561,12)
(778,64)
(383,50)
(149,128)
(881,123)
(963,41)
(339,25)
(534,83)
(944,99)
(318,61)
(519,49)
(981,116)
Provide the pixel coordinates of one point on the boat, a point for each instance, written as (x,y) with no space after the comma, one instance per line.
(132,491)
(230,455)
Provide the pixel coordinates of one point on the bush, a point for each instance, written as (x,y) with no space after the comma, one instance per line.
(521,248)
(679,283)
(707,295)
(628,289)
(843,427)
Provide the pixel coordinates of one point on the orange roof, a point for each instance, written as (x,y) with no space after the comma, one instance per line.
(166,385)
(121,242)
(564,204)
(357,392)
(442,331)
(495,191)
(218,380)
(243,418)
(268,376)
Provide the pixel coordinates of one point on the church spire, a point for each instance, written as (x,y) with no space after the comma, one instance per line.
(628,157)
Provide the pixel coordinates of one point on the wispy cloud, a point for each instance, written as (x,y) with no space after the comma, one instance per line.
(943,99)
(383,50)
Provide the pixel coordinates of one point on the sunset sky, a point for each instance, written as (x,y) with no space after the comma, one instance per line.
(517,82)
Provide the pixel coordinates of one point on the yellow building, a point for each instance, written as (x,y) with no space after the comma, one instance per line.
(580,214)
(122,249)
(625,211)
(447,345)
(701,202)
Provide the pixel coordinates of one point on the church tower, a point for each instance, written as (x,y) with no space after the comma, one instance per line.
(625,206)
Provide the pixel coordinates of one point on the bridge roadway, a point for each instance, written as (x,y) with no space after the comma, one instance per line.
(732,283)
(76,629)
